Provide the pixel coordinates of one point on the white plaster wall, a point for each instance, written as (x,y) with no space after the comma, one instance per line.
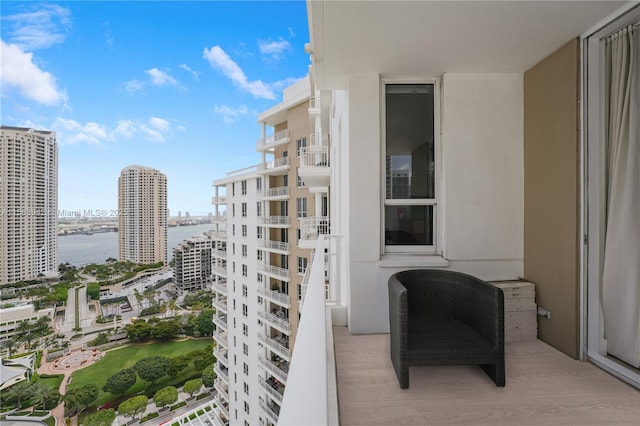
(483,166)
(481,196)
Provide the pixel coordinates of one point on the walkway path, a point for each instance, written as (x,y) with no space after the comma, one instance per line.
(66,365)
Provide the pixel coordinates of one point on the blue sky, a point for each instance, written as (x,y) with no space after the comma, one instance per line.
(176,86)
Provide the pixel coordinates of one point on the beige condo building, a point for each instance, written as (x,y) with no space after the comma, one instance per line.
(28,203)
(142,220)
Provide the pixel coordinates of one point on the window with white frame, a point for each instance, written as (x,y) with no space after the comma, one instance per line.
(259,256)
(300,143)
(245,310)
(243,186)
(244,230)
(302,265)
(259,233)
(301,206)
(258,209)
(244,270)
(259,184)
(244,250)
(410,168)
(244,209)
(245,290)
(300,182)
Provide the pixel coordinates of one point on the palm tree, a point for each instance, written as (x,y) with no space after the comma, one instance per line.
(139,299)
(41,393)
(10,344)
(24,329)
(19,391)
(172,307)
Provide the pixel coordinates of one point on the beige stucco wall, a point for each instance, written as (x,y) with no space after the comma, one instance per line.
(551,193)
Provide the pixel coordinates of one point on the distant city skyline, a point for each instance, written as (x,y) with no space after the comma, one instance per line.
(176,86)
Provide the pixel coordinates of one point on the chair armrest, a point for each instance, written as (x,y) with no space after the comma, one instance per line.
(487,311)
(398,317)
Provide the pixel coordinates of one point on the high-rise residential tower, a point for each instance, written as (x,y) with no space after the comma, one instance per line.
(28,203)
(192,263)
(142,208)
(268,219)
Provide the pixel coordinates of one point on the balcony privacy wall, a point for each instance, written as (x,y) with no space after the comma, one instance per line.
(551,193)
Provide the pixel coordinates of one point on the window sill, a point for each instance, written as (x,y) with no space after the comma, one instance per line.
(412,261)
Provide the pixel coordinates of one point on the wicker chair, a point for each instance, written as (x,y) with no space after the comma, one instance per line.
(440,317)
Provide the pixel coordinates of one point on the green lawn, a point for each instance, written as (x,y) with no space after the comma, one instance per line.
(126,357)
(52,381)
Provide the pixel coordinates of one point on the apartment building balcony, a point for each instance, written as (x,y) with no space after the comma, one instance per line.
(311,228)
(220,305)
(277,321)
(221,199)
(272,410)
(274,167)
(278,247)
(278,368)
(219,420)
(276,221)
(222,406)
(222,388)
(221,322)
(219,235)
(315,167)
(220,287)
(274,271)
(221,338)
(270,142)
(218,218)
(276,193)
(543,386)
(220,254)
(221,354)
(220,270)
(282,299)
(279,346)
(314,106)
(274,388)
(222,372)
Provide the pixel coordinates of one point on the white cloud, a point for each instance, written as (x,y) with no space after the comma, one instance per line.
(219,59)
(159,123)
(188,69)
(133,86)
(160,78)
(154,129)
(19,71)
(70,132)
(229,113)
(274,49)
(41,28)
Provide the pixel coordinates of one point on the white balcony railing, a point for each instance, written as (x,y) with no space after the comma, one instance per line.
(277,192)
(313,360)
(280,323)
(222,388)
(314,105)
(271,411)
(314,156)
(274,164)
(218,235)
(221,372)
(220,287)
(221,199)
(277,369)
(313,227)
(273,392)
(276,245)
(275,296)
(219,218)
(276,220)
(277,347)
(221,338)
(275,271)
(277,138)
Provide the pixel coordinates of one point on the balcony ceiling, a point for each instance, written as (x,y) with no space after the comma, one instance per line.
(429,38)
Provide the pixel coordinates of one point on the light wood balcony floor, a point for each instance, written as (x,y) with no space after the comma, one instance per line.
(544,387)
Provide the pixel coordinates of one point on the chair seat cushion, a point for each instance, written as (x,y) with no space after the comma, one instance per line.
(446,341)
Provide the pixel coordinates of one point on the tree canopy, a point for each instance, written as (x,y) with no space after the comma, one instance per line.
(166,396)
(153,367)
(208,376)
(118,383)
(192,386)
(100,418)
(133,406)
